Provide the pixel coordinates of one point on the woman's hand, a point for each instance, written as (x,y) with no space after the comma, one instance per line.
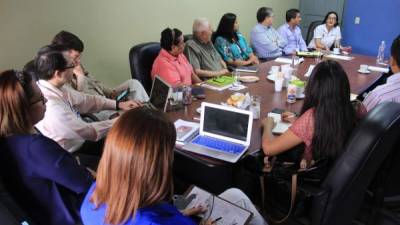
(288,117)
(194,210)
(268,123)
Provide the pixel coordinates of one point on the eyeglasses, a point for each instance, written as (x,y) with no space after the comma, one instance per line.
(69,67)
(41,99)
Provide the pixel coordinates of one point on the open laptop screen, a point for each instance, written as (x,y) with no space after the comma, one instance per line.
(225,123)
(159,93)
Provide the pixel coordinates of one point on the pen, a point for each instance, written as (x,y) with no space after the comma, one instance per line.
(216,220)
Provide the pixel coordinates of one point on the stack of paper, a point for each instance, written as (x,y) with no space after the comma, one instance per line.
(185,131)
(378,69)
(289,60)
(340,57)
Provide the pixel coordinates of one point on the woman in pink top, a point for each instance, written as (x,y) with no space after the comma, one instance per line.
(326,120)
(171,64)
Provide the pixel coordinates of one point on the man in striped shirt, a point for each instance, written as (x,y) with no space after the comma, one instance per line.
(265,40)
(389,92)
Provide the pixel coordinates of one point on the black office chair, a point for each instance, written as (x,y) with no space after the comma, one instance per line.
(340,196)
(141,58)
(187,37)
(310,31)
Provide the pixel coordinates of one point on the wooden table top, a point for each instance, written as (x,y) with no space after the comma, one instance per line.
(271,99)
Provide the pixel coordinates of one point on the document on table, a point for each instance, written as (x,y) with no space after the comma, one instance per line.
(378,69)
(289,60)
(217,208)
(341,57)
(281,127)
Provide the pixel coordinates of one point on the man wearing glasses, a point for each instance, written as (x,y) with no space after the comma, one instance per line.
(265,40)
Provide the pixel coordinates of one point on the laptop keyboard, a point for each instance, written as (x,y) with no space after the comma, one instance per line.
(219,145)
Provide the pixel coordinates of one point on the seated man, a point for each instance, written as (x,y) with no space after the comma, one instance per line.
(171,64)
(266,41)
(291,33)
(389,92)
(62,121)
(83,82)
(201,53)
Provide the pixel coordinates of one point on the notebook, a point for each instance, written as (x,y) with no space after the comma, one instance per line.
(159,95)
(225,132)
(227,213)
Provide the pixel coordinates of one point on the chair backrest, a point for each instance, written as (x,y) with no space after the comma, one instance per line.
(141,58)
(348,179)
(310,31)
(187,37)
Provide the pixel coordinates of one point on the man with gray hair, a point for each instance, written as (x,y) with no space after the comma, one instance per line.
(201,53)
(265,40)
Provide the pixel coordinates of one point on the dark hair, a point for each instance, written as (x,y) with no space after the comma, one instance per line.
(52,48)
(225,28)
(135,165)
(70,40)
(263,13)
(327,15)
(328,93)
(170,37)
(48,62)
(15,94)
(291,14)
(395,50)
(30,70)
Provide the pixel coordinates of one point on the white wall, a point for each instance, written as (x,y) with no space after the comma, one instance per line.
(110,28)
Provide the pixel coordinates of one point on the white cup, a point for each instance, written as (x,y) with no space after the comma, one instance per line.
(336,51)
(363,68)
(278,84)
(274,69)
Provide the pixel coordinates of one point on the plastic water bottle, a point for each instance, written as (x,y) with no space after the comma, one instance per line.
(381,53)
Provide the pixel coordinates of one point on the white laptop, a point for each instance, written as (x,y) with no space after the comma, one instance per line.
(159,95)
(225,132)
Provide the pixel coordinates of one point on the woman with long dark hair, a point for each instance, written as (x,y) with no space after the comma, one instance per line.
(44,178)
(231,44)
(134,178)
(326,120)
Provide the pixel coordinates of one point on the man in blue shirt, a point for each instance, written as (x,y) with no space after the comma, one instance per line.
(291,33)
(266,41)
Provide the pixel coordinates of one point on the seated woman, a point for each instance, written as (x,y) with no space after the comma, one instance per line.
(231,44)
(326,120)
(326,34)
(45,179)
(171,64)
(134,179)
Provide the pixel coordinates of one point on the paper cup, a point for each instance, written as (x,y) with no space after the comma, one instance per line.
(278,84)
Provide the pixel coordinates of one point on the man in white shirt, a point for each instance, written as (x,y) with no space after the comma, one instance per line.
(62,121)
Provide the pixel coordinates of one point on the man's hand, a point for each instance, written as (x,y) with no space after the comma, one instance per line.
(194,211)
(127,105)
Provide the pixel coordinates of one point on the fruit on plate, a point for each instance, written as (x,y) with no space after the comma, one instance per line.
(236,99)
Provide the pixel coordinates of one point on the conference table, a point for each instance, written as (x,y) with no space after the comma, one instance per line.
(269,100)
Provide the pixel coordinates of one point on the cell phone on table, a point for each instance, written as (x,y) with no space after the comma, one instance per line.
(123,95)
(198,92)
(277,111)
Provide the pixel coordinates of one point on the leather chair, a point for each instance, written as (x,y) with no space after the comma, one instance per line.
(339,197)
(187,37)
(310,32)
(141,58)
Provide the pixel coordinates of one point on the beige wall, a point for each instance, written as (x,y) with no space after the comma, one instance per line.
(110,28)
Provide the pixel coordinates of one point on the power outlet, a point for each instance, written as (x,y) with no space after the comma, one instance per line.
(357,20)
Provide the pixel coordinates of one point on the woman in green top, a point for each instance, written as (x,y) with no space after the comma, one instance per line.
(231,44)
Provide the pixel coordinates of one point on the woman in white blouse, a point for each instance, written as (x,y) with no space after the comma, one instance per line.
(327,33)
